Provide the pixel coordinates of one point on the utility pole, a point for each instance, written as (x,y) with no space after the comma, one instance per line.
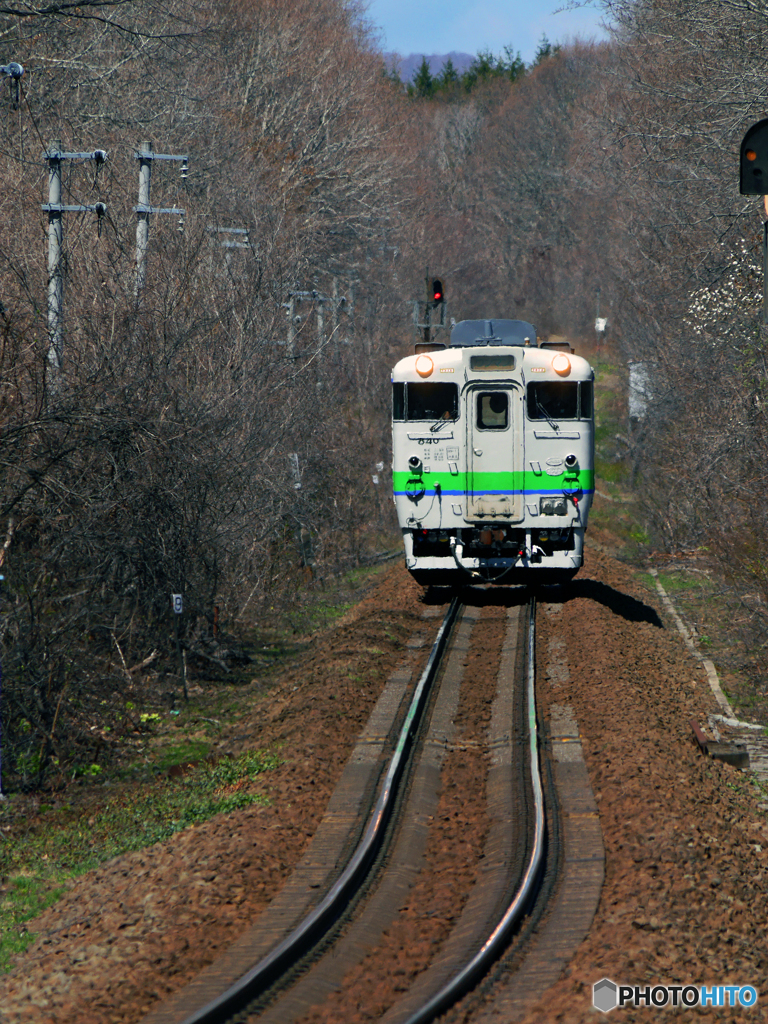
(340,304)
(319,302)
(54,208)
(228,244)
(335,305)
(55,275)
(320,325)
(142,214)
(146,155)
(292,325)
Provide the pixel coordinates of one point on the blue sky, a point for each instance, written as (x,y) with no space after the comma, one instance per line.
(467,26)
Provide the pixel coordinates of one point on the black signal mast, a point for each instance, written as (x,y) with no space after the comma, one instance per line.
(435,300)
(753,181)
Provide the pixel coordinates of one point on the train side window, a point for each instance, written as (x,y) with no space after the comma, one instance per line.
(398,400)
(585,410)
(553,399)
(430,401)
(492,410)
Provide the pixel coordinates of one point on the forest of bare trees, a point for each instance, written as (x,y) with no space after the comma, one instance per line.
(216,427)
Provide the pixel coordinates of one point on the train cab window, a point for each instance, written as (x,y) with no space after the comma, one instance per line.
(492,410)
(398,400)
(585,400)
(553,400)
(431,401)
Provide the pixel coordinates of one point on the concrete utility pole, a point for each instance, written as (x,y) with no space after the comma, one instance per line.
(55,275)
(146,155)
(338,304)
(292,326)
(320,313)
(54,208)
(319,301)
(142,213)
(228,244)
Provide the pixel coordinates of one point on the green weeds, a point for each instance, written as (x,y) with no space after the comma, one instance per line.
(37,867)
(183,753)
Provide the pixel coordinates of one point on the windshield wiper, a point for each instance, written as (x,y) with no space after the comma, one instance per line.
(439,424)
(546,415)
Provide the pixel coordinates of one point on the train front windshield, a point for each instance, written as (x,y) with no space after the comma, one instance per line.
(416,401)
(560,400)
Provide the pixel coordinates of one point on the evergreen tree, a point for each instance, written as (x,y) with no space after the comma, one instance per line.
(514,67)
(423,83)
(545,50)
(449,76)
(394,76)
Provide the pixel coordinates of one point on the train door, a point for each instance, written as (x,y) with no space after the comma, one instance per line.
(495,453)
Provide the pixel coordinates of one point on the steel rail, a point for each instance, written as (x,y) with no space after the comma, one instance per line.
(494,945)
(268,970)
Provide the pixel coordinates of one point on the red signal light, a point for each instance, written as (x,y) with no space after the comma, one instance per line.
(438,295)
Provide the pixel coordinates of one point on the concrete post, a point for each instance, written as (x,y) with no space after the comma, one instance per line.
(55,270)
(142,215)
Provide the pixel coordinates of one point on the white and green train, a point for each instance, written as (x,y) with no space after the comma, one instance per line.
(493,456)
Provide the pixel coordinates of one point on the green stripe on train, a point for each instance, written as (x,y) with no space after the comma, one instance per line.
(528,482)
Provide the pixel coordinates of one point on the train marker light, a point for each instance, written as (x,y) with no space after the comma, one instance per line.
(561,364)
(424,366)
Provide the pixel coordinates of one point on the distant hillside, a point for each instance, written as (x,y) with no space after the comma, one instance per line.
(408,66)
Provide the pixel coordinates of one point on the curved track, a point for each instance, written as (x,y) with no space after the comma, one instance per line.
(318,955)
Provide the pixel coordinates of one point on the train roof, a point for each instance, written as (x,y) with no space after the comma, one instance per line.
(492,332)
(555,358)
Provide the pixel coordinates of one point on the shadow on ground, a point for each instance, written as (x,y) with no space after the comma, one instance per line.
(627,607)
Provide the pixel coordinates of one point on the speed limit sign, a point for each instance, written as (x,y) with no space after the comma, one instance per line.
(177,603)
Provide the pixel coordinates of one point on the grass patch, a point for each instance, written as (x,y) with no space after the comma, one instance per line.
(679,582)
(318,612)
(612,470)
(61,847)
(22,899)
(183,753)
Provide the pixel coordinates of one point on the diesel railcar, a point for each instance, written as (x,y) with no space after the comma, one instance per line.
(493,456)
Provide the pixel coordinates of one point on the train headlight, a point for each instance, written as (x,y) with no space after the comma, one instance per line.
(553,506)
(424,365)
(561,364)
(571,461)
(415,463)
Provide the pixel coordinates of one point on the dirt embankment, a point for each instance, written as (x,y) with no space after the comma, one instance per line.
(684,899)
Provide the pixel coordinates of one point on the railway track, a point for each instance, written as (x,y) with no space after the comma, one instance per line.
(334,927)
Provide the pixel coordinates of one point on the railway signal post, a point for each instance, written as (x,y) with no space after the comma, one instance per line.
(435,299)
(753,181)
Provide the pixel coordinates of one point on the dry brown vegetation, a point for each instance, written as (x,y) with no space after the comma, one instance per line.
(164,456)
